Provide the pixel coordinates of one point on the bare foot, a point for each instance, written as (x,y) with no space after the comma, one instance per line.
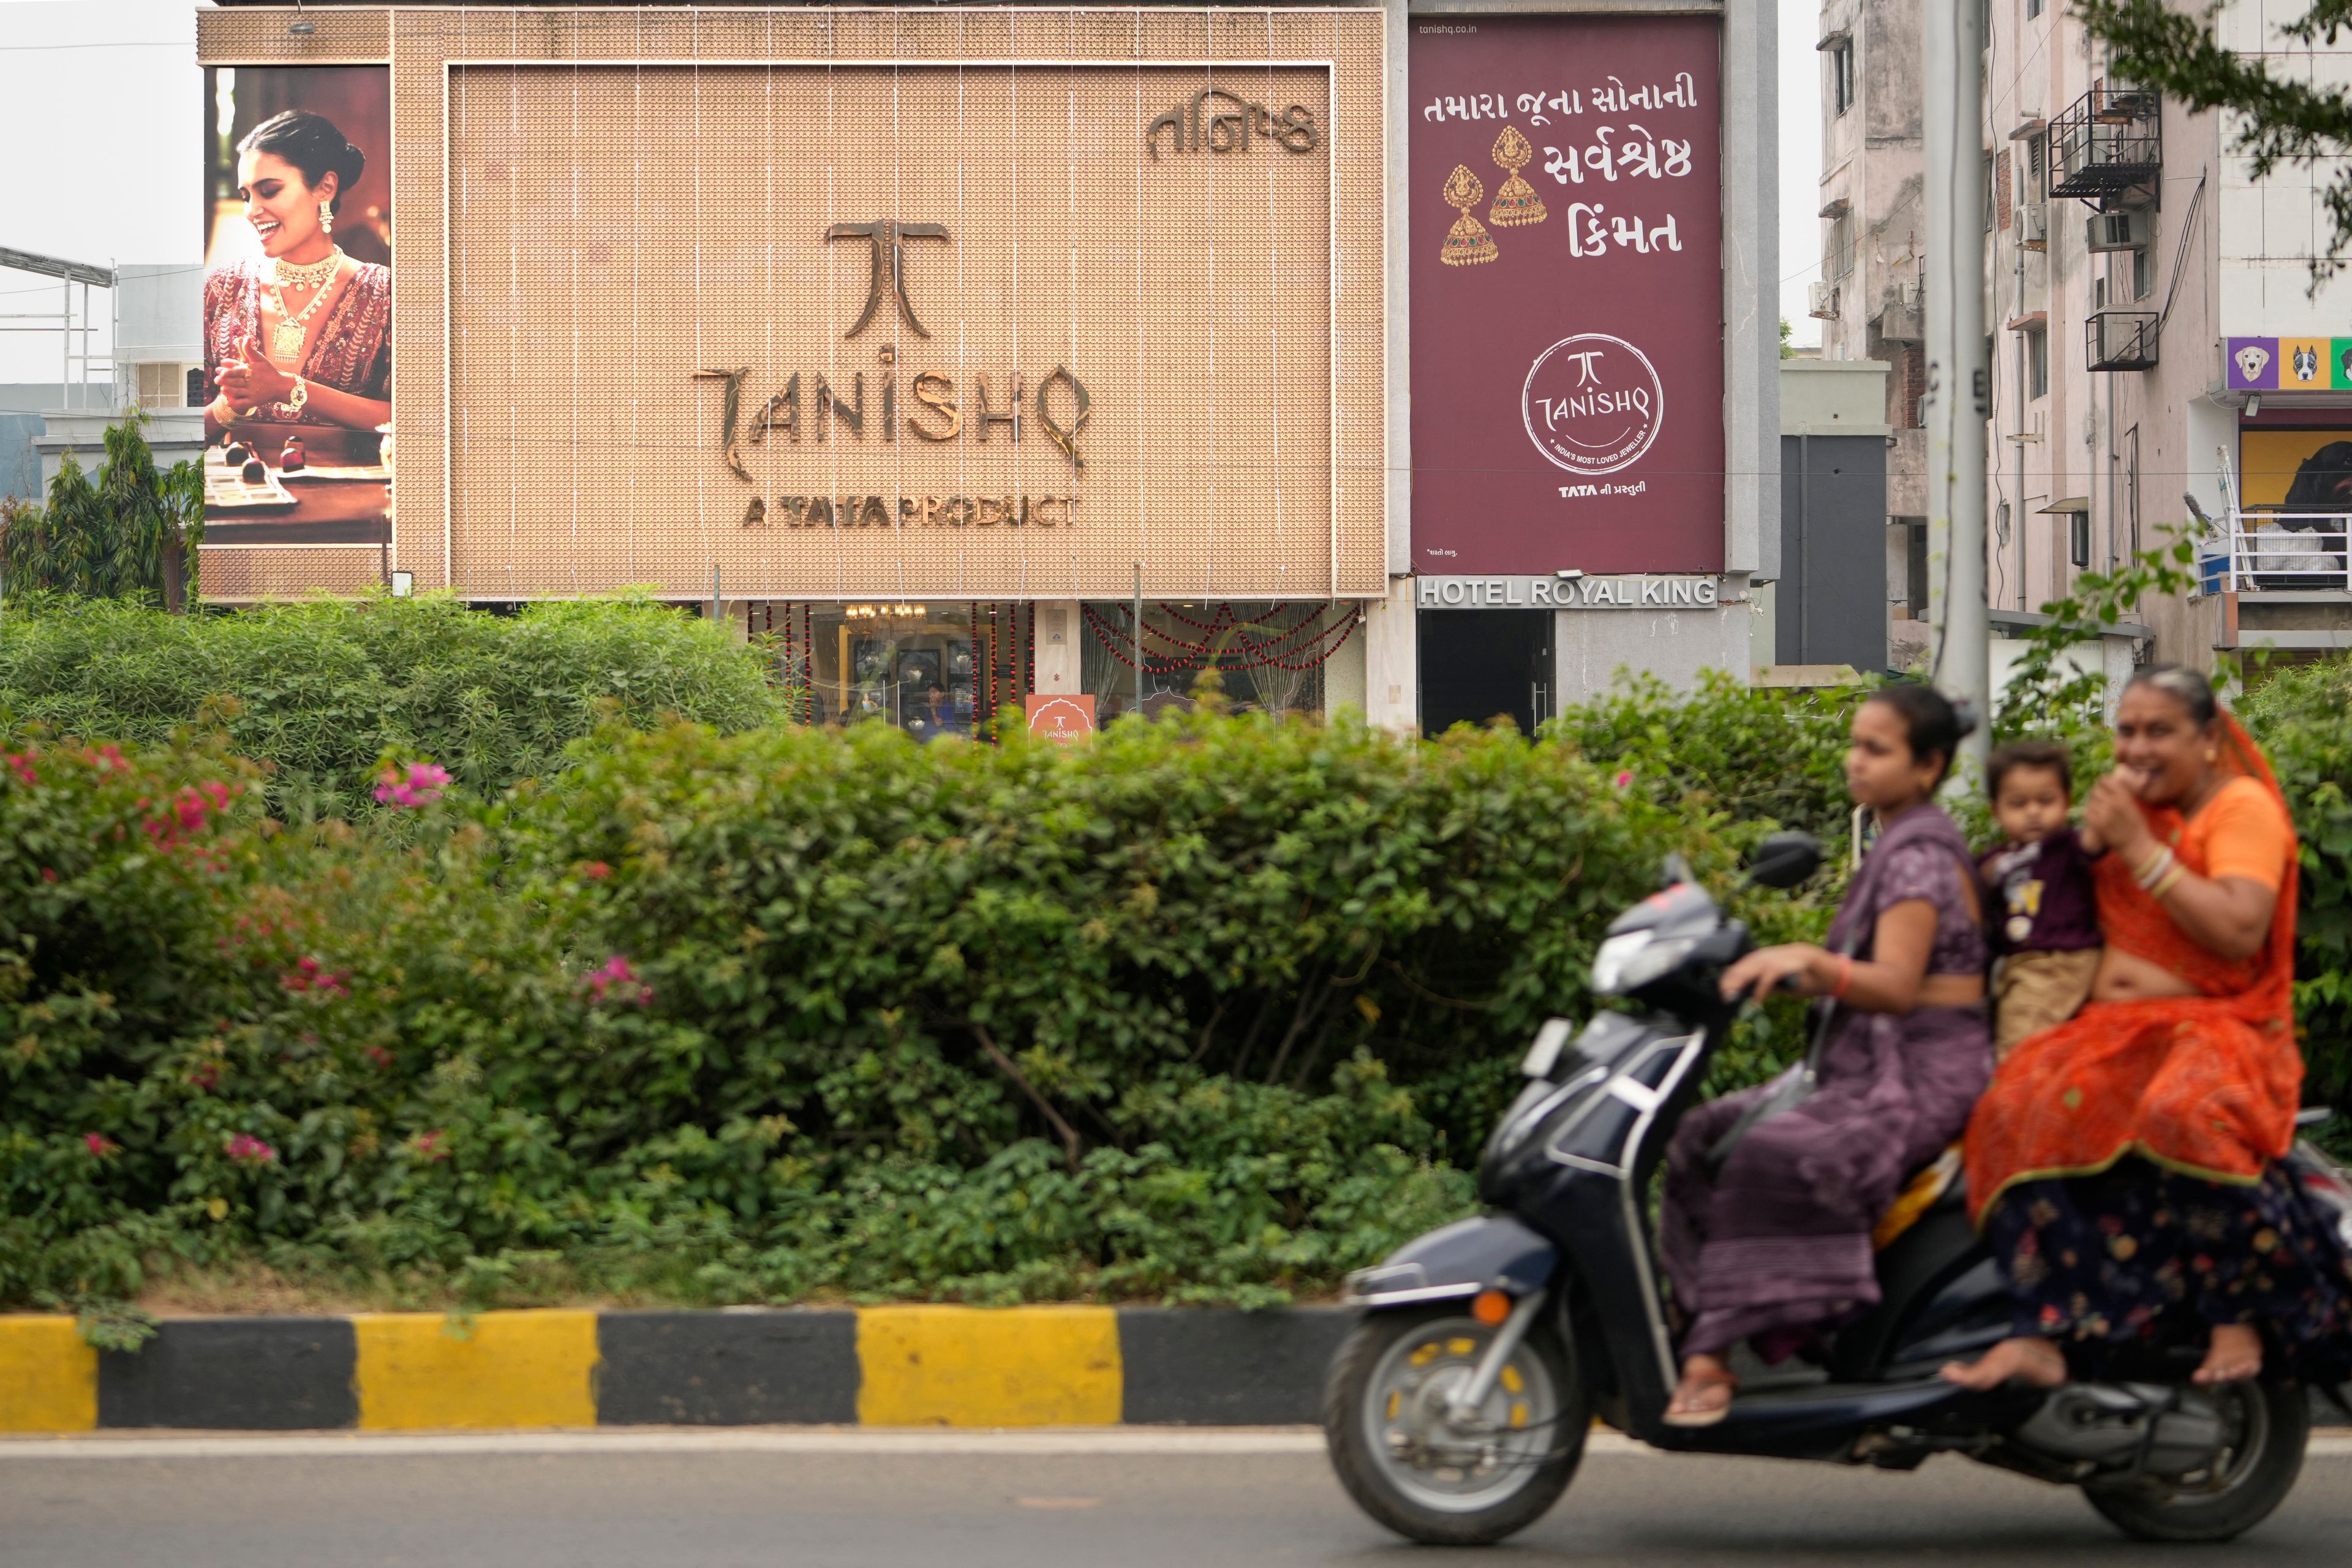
(1704,1395)
(2235,1355)
(2037,1363)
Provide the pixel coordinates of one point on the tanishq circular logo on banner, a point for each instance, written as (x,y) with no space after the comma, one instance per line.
(1592,403)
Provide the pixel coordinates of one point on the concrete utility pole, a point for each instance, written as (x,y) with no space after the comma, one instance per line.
(1960,389)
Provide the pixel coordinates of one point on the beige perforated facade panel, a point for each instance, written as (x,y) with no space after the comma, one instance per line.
(613,224)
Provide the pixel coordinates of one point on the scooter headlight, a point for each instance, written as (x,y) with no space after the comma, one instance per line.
(1633,959)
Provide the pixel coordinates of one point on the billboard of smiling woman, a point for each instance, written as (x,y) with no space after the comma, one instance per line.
(298,305)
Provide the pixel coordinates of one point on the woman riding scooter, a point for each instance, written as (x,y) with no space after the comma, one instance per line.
(1771,1194)
(2123,1166)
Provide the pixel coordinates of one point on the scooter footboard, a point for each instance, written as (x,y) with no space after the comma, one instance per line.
(1488,1252)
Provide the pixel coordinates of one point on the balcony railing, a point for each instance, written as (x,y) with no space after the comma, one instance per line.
(2121,339)
(2105,142)
(2287,552)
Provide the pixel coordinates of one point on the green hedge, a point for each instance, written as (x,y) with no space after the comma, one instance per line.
(2299,715)
(318,690)
(1213,1009)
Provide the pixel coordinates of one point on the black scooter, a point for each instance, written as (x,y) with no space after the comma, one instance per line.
(1457,1408)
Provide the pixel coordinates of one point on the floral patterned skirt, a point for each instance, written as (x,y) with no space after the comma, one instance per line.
(2140,1254)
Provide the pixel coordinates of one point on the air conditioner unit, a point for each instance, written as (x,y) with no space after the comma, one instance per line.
(2033,224)
(1821,301)
(2124,230)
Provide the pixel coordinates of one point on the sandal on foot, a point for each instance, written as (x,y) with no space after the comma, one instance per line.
(1679,1413)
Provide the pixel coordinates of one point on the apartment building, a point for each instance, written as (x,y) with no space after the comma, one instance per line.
(1871,298)
(2160,358)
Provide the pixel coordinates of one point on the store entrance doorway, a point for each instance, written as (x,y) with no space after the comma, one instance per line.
(1476,665)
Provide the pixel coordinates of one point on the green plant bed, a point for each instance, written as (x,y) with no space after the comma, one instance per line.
(317,690)
(1213,1010)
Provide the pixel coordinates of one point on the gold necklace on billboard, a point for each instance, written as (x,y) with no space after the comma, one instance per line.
(1467,243)
(285,337)
(1517,203)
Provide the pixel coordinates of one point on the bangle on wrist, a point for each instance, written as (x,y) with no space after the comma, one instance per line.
(2153,872)
(1845,977)
(2165,884)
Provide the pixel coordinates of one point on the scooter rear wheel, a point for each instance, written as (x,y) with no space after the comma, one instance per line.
(1411,1467)
(2269,1424)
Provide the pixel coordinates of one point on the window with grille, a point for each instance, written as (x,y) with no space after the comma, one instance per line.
(2037,362)
(162,386)
(1841,75)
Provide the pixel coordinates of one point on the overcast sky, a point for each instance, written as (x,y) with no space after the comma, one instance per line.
(101,103)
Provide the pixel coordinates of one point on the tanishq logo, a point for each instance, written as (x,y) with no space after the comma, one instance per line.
(1592,403)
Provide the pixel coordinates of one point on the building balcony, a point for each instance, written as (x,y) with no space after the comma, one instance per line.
(2121,339)
(2276,551)
(2105,143)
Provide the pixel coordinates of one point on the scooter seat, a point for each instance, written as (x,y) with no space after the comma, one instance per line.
(1924,1191)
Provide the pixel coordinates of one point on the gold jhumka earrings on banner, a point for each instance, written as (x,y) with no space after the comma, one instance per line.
(1516,202)
(1467,243)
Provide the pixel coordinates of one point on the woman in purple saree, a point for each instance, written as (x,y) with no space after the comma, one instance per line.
(1769,1238)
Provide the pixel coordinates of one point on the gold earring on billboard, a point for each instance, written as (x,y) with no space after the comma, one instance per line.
(1517,203)
(326,218)
(1467,243)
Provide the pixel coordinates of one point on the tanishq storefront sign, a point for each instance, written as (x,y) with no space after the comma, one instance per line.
(1623,592)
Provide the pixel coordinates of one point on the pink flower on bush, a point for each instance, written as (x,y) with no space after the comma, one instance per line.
(1625,779)
(246,1150)
(99,1144)
(379,1056)
(48,873)
(616,982)
(190,810)
(22,763)
(420,786)
(595,871)
(432,1146)
(308,975)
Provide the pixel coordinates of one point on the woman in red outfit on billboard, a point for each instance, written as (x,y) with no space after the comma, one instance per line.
(302,336)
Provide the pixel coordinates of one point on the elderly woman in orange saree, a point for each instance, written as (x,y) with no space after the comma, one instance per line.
(2124,1165)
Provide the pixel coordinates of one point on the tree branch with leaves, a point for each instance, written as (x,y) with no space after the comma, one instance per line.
(2280,120)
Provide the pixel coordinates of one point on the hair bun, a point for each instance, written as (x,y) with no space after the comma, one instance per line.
(1964,716)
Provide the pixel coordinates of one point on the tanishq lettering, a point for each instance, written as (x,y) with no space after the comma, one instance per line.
(836,408)
(1218,121)
(914,512)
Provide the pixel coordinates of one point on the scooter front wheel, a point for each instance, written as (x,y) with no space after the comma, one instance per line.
(1411,1463)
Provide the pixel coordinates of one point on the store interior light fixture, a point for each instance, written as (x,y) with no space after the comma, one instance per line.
(1568,574)
(301,27)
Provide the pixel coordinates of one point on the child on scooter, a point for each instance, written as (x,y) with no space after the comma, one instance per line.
(2039,897)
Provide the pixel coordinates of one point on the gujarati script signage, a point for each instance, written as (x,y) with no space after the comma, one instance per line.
(1567,297)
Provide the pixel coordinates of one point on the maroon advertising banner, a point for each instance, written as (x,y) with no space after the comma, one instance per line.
(1567,295)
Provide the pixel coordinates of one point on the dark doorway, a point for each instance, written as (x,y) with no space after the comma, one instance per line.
(1478,664)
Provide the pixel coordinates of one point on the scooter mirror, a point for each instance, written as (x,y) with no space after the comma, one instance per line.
(1785,860)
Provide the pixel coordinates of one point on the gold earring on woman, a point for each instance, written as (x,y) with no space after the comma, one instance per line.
(2213,753)
(326,218)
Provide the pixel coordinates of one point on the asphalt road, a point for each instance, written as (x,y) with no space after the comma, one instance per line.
(1024,1502)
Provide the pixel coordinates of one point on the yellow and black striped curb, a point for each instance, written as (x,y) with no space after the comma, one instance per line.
(894,1366)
